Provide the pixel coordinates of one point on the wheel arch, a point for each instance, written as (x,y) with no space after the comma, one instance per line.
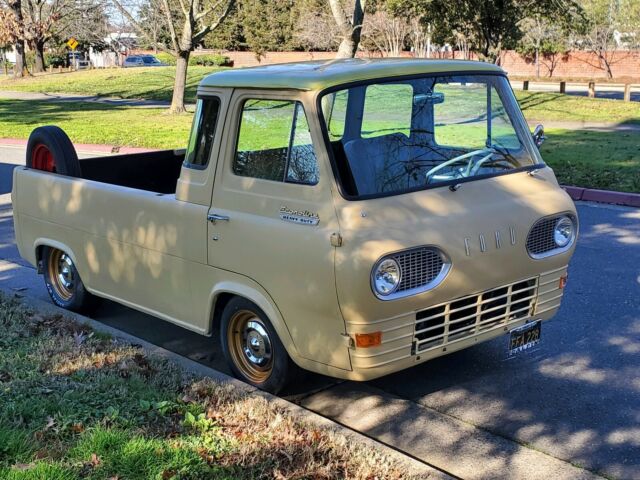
(41,243)
(224,291)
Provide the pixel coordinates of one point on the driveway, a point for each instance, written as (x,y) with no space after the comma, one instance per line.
(569,409)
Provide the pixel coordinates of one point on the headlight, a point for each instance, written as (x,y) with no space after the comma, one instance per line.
(386,276)
(563,231)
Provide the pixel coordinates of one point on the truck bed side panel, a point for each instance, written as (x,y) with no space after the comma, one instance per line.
(130,245)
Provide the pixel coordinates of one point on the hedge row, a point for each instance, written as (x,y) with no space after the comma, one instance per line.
(215,60)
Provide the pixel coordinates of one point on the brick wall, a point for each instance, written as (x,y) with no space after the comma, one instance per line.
(574,64)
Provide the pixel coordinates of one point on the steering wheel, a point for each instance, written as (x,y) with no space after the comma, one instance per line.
(486,152)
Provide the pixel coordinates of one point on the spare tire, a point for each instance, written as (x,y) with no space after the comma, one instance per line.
(50,149)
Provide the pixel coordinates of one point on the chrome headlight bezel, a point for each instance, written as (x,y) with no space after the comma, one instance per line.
(555,248)
(400,258)
(382,272)
(564,231)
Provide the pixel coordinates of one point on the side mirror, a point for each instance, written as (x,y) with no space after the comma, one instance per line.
(538,135)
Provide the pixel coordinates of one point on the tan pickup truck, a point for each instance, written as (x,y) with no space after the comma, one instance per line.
(353,218)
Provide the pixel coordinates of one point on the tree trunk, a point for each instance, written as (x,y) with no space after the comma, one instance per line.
(177,102)
(39,51)
(347,49)
(19,67)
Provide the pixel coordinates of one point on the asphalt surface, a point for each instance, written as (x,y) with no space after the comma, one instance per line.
(576,398)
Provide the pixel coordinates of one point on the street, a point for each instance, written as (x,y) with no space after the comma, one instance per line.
(570,406)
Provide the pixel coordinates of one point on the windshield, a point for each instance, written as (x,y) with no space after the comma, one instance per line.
(150,60)
(403,135)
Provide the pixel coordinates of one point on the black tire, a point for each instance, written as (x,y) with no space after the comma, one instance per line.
(62,155)
(282,369)
(72,296)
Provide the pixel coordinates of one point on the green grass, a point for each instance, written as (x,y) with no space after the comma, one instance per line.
(78,405)
(157,83)
(555,107)
(154,83)
(586,158)
(96,123)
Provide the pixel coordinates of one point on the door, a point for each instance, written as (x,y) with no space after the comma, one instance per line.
(273,218)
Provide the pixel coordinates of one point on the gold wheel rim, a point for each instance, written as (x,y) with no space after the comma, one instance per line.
(250,346)
(61,274)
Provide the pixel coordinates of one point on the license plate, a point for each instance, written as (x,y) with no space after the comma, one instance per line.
(524,337)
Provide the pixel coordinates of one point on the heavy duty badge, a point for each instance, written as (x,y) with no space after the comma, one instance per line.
(304,217)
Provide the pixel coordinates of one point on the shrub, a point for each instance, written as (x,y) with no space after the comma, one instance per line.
(206,60)
(166,58)
(215,60)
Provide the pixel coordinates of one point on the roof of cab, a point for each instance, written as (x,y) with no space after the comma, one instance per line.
(321,74)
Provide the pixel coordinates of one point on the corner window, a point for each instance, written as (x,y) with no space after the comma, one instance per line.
(203,132)
(274,143)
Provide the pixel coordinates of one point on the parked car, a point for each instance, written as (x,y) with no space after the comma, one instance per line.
(366,216)
(142,61)
(78,61)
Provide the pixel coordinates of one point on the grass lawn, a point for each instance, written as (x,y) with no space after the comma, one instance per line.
(77,404)
(586,158)
(154,83)
(96,123)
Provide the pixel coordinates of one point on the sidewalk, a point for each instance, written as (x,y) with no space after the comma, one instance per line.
(68,97)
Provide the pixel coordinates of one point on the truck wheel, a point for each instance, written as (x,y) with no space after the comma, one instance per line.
(252,347)
(51,150)
(63,282)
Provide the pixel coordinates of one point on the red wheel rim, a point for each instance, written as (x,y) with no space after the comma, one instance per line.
(42,158)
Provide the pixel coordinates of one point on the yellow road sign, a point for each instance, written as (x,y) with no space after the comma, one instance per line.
(73,43)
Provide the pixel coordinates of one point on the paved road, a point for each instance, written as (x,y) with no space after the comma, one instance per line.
(575,401)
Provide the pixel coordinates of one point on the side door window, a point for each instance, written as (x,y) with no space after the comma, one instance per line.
(202,133)
(274,143)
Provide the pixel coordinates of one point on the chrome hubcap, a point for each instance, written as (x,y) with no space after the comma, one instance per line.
(257,345)
(65,271)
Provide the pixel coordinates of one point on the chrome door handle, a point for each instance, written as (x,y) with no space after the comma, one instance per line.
(214,217)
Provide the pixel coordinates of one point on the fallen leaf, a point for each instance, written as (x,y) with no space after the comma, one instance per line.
(77,428)
(95,460)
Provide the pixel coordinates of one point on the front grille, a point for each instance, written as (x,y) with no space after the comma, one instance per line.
(474,314)
(419,266)
(540,239)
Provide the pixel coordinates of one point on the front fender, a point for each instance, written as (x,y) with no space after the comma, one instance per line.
(251,290)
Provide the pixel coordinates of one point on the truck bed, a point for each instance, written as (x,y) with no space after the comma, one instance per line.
(152,171)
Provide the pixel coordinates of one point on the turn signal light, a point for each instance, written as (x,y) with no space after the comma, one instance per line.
(563,282)
(366,340)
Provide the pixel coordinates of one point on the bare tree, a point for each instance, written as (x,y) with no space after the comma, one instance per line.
(387,33)
(188,23)
(12,32)
(420,38)
(42,21)
(349,26)
(317,30)
(606,19)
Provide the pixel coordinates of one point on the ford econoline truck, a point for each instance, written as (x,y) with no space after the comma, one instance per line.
(352,218)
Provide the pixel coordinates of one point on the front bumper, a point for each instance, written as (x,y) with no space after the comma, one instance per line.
(419,336)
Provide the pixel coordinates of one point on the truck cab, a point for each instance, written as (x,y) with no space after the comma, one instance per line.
(352,218)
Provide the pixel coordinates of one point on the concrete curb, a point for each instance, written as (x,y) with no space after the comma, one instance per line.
(82,147)
(413,467)
(603,196)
